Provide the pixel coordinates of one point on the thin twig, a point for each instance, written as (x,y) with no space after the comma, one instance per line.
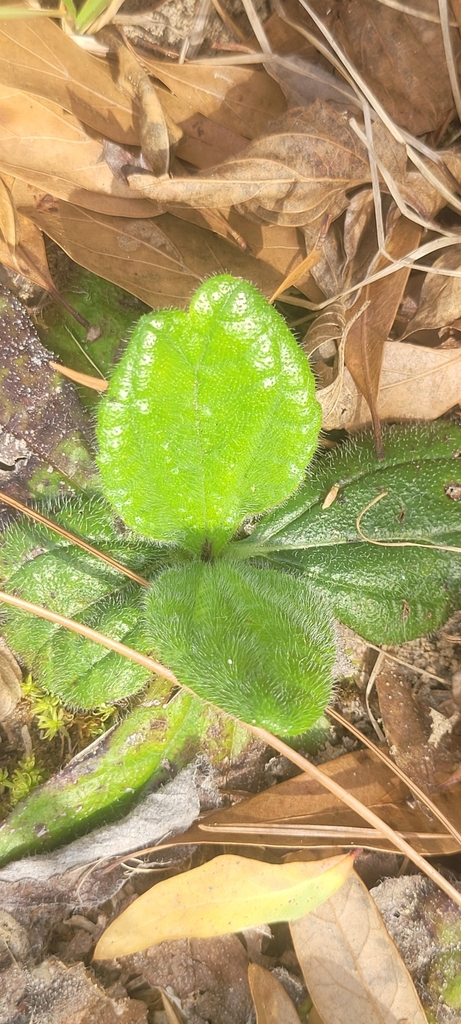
(91,634)
(38,518)
(396,543)
(412,786)
(365,812)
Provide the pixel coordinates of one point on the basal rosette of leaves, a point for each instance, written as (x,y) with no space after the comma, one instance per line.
(208,426)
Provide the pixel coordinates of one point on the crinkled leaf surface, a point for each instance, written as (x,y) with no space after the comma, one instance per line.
(210,416)
(51,571)
(256,642)
(387,594)
(225,895)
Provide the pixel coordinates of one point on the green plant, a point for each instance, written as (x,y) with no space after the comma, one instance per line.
(209,422)
(81,17)
(26,776)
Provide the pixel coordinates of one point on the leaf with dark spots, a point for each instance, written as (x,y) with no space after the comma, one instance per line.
(44,433)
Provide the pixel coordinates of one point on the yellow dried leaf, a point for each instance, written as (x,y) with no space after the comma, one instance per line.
(221,896)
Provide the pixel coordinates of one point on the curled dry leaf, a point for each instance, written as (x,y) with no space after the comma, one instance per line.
(329,328)
(22,248)
(411,184)
(416,383)
(293,175)
(350,964)
(440,299)
(10,682)
(155,136)
(272,1003)
(366,337)
(38,58)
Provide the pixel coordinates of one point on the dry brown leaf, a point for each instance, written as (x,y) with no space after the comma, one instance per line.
(240,98)
(44,145)
(36,56)
(293,175)
(349,249)
(28,255)
(412,186)
(272,1003)
(350,964)
(303,73)
(416,383)
(8,220)
(302,813)
(281,247)
(410,730)
(10,682)
(366,338)
(440,299)
(155,134)
(161,260)
(204,142)
(328,329)
(390,49)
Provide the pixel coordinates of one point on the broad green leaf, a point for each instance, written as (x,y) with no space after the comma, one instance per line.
(210,416)
(51,571)
(255,642)
(224,895)
(108,309)
(388,594)
(101,786)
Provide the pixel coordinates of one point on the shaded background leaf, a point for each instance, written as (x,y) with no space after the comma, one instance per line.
(351,966)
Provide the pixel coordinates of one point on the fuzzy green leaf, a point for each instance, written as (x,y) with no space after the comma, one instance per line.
(210,416)
(255,642)
(50,571)
(387,594)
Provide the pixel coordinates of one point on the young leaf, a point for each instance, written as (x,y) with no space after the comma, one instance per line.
(388,594)
(224,895)
(253,641)
(210,416)
(51,571)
